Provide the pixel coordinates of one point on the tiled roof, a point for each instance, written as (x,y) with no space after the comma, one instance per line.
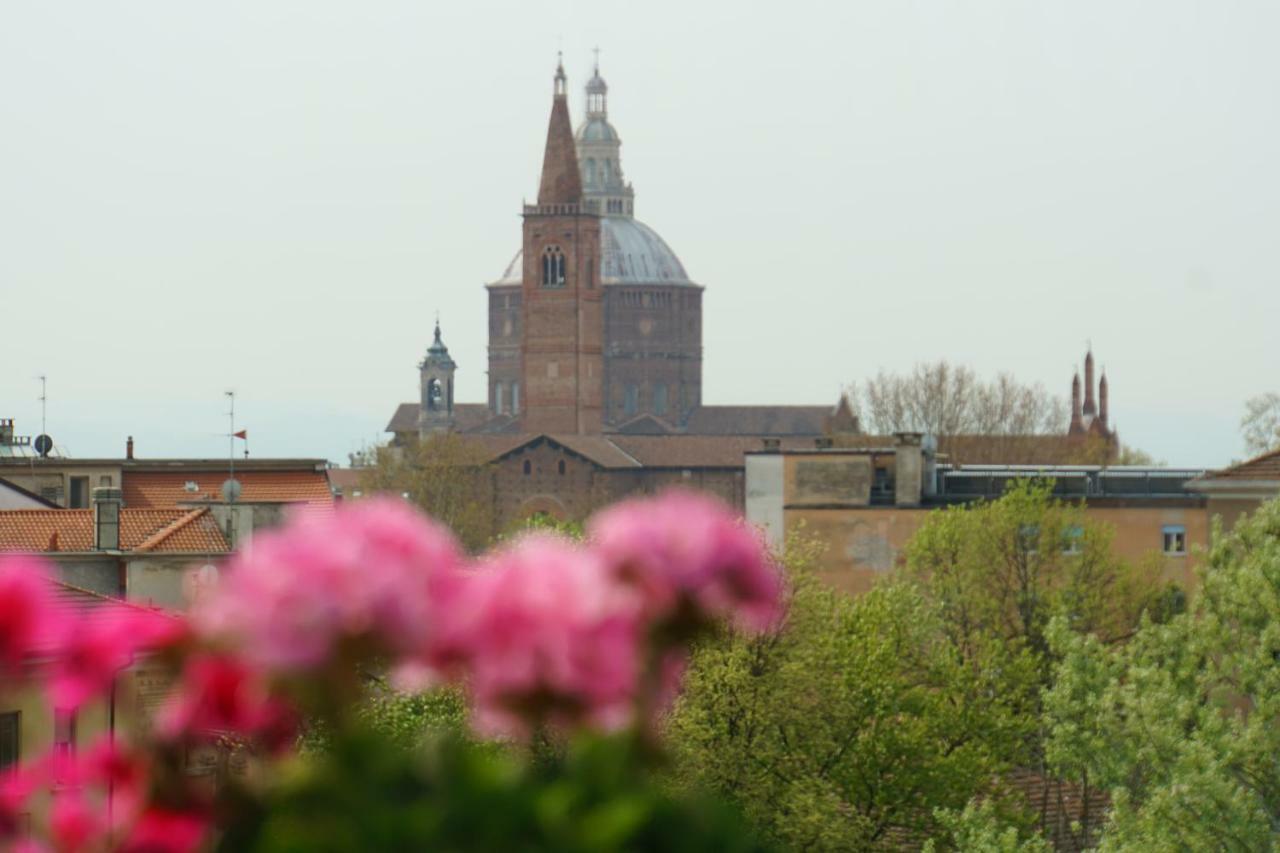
(759,420)
(652,451)
(1264,467)
(698,451)
(191,531)
(156,489)
(706,420)
(468,417)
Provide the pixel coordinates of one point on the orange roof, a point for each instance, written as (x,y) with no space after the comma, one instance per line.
(191,531)
(1264,467)
(157,489)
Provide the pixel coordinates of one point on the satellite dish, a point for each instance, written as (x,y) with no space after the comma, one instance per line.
(231,491)
(43,444)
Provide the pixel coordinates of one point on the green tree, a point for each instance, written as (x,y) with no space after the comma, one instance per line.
(846,729)
(1182,723)
(1000,570)
(447,475)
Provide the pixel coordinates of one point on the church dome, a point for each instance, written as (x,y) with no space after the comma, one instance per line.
(597,129)
(630,253)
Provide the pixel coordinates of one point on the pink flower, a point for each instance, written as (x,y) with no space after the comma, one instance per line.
(28,615)
(16,787)
(553,640)
(688,556)
(161,830)
(218,694)
(73,822)
(95,648)
(366,572)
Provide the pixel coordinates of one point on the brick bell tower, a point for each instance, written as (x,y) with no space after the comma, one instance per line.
(561,310)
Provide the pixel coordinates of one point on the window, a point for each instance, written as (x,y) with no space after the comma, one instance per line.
(528,467)
(631,404)
(498,404)
(10,738)
(552,267)
(435,394)
(64,732)
(1175,539)
(560,467)
(591,170)
(660,400)
(1073,539)
(79,498)
(515,398)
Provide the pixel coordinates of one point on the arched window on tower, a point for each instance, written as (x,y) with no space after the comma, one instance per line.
(608,170)
(515,398)
(498,391)
(631,403)
(435,395)
(591,171)
(552,267)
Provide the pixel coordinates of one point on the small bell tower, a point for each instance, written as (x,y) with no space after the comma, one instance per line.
(436,374)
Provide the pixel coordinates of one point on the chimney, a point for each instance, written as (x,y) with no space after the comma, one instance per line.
(106,519)
(128,448)
(908,474)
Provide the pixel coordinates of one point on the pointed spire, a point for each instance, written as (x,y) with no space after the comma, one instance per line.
(1077,422)
(561,183)
(1102,398)
(1090,407)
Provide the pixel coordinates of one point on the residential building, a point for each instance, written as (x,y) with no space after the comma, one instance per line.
(866,503)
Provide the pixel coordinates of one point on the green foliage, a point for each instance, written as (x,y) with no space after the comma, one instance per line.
(447,475)
(981,828)
(457,795)
(1182,723)
(1000,570)
(844,731)
(544,523)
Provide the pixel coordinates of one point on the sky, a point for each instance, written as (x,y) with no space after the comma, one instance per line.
(279,197)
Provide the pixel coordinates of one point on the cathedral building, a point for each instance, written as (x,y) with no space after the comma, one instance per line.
(595,346)
(595,358)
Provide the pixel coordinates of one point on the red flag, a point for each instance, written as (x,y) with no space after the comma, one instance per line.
(244,433)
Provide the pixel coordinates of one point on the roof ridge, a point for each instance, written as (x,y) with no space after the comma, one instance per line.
(169,529)
(111,598)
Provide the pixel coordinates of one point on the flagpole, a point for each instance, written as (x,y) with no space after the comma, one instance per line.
(231,436)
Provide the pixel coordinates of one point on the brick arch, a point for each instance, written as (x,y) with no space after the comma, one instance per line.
(544,505)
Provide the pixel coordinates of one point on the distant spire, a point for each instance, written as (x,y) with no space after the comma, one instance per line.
(1102,398)
(1090,407)
(1077,422)
(561,183)
(561,84)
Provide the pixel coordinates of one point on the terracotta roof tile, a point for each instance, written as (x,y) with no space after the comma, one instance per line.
(1264,467)
(71,530)
(156,489)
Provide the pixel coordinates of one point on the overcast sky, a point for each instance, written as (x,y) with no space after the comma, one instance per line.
(277,197)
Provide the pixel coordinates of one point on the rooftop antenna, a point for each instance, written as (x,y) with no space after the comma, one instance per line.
(231,489)
(44,396)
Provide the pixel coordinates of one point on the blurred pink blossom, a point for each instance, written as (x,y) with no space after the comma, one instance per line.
(218,694)
(365,572)
(688,556)
(160,830)
(94,649)
(29,617)
(75,822)
(554,640)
